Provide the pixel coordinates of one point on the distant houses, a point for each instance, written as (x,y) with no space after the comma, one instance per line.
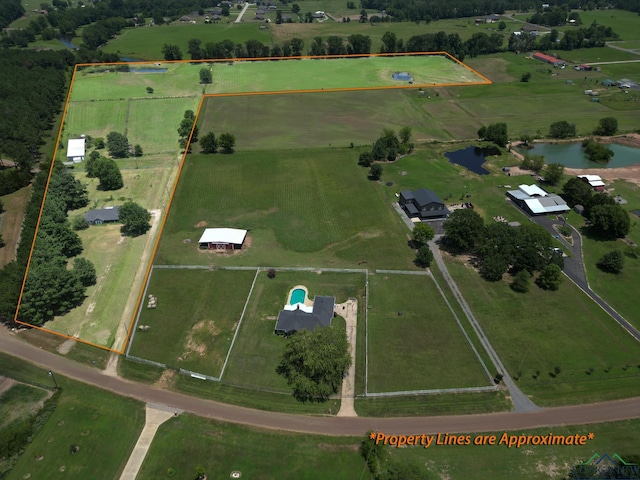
(423,204)
(555,61)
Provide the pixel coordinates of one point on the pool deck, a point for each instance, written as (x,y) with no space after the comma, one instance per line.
(307,301)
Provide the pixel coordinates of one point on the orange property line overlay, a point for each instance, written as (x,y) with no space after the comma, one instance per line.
(485,81)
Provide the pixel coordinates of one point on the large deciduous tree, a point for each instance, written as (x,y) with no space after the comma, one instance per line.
(550,278)
(562,129)
(314,363)
(209,143)
(108,173)
(227,142)
(205,75)
(171,52)
(553,173)
(607,126)
(422,233)
(577,192)
(610,221)
(135,219)
(496,133)
(117,145)
(462,229)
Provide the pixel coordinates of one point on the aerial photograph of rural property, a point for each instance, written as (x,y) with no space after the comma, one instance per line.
(319,239)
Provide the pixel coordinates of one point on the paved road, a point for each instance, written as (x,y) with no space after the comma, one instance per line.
(574,269)
(561,416)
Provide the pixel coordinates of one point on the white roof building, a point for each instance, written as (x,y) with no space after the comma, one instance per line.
(76,149)
(221,238)
(536,201)
(593,180)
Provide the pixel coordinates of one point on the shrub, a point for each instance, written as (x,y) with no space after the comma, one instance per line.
(612,262)
(79,223)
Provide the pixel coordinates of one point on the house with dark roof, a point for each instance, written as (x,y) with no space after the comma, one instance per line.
(103,215)
(422,203)
(301,317)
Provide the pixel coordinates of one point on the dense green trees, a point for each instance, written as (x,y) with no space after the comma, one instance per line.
(205,75)
(227,142)
(576,192)
(562,129)
(209,143)
(117,145)
(171,52)
(612,262)
(607,126)
(108,172)
(462,229)
(314,363)
(597,152)
(553,173)
(134,218)
(496,133)
(610,221)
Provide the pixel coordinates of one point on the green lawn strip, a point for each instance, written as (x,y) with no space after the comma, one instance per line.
(433,405)
(536,332)
(146,43)
(14,205)
(257,350)
(100,86)
(455,305)
(195,319)
(186,442)
(361,346)
(618,290)
(137,371)
(306,208)
(529,461)
(22,371)
(104,426)
(83,353)
(335,118)
(19,402)
(414,341)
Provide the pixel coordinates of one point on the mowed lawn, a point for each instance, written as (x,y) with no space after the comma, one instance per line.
(180,79)
(196,317)
(186,442)
(311,207)
(536,332)
(338,73)
(104,426)
(414,340)
(316,119)
(257,350)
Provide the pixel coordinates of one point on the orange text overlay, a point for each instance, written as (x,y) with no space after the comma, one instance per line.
(506,439)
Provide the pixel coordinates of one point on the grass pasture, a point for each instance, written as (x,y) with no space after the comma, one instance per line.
(339,73)
(538,331)
(327,119)
(104,426)
(421,349)
(14,205)
(257,350)
(197,315)
(304,207)
(185,442)
(19,401)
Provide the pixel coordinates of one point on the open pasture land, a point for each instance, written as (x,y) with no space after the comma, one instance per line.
(104,426)
(624,23)
(340,73)
(538,331)
(100,83)
(529,461)
(146,43)
(414,340)
(196,317)
(308,207)
(257,350)
(316,119)
(187,441)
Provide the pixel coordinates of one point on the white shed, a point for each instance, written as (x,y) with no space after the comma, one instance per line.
(75,150)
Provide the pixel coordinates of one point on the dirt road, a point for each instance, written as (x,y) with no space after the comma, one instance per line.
(573,415)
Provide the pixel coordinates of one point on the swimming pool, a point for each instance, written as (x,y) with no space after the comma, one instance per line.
(297,296)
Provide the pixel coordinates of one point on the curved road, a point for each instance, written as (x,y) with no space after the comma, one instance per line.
(572,415)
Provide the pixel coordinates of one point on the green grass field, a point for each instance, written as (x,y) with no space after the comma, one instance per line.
(104,426)
(197,315)
(19,402)
(422,349)
(302,208)
(316,119)
(186,442)
(257,349)
(538,331)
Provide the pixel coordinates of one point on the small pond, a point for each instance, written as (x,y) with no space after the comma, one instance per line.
(147,70)
(472,158)
(402,77)
(67,43)
(572,155)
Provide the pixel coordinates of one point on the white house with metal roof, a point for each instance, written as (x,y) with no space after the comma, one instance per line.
(594,181)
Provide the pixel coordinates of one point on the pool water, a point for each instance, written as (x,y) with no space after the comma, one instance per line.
(297,296)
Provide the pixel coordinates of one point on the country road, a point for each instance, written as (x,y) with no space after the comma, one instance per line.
(505,421)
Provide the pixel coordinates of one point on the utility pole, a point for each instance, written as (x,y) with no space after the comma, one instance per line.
(53,378)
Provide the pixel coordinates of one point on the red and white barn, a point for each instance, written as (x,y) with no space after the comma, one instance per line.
(222,238)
